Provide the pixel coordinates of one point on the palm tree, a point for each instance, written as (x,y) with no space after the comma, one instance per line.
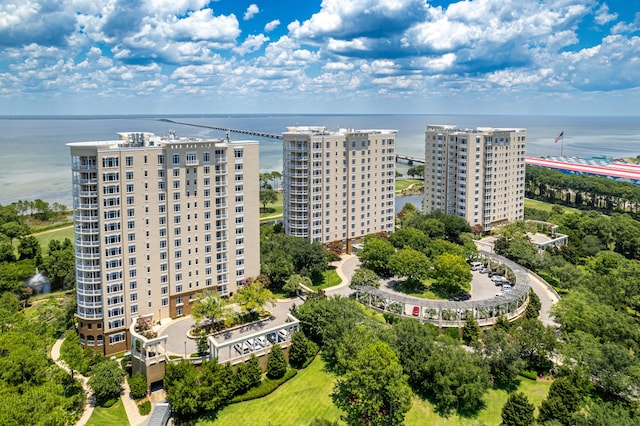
(276,177)
(211,307)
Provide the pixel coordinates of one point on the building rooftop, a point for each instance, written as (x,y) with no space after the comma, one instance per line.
(320,131)
(146,139)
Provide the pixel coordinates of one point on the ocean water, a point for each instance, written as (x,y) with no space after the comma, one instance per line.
(35,162)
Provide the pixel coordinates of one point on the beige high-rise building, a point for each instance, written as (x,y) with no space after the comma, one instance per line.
(338,185)
(477,174)
(157,221)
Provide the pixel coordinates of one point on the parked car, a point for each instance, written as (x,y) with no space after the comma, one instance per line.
(506,287)
(283,335)
(485,270)
(496,278)
(462,297)
(261,341)
(272,337)
(416,311)
(500,295)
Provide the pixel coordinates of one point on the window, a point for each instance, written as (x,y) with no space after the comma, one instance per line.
(110,162)
(129,161)
(129,188)
(176,159)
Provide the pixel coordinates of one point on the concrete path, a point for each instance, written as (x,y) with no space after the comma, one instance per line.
(131,407)
(90,401)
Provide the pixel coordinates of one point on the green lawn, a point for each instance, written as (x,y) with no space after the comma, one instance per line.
(402,184)
(273,211)
(330,279)
(295,403)
(306,396)
(56,234)
(113,416)
(541,205)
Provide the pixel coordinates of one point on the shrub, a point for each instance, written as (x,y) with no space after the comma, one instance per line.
(137,386)
(452,332)
(109,403)
(527,374)
(277,363)
(265,388)
(144,408)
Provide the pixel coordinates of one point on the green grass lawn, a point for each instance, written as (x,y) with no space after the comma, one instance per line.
(306,396)
(113,416)
(56,234)
(402,184)
(541,205)
(330,279)
(295,403)
(273,211)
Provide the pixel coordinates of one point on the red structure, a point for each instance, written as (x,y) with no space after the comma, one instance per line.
(617,171)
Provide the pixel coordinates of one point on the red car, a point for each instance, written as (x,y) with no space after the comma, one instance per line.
(416,311)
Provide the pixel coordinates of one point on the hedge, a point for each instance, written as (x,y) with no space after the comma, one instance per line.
(266,387)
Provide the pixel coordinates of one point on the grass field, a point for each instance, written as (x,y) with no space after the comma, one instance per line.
(274,210)
(306,396)
(402,184)
(55,234)
(295,403)
(113,416)
(541,205)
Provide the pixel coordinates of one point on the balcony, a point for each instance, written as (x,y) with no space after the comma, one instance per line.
(86,218)
(84,180)
(79,242)
(220,158)
(80,166)
(86,230)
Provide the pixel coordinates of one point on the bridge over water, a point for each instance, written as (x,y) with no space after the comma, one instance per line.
(225,129)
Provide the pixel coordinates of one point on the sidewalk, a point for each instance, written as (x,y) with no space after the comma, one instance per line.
(90,402)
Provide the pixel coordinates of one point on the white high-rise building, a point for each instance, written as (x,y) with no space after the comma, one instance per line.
(157,221)
(477,174)
(338,185)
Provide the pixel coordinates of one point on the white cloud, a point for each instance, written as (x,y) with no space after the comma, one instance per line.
(251,44)
(603,16)
(251,11)
(270,26)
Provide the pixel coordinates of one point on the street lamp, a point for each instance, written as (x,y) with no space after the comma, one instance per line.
(185,349)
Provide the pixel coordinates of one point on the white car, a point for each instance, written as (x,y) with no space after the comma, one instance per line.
(261,341)
(500,295)
(497,278)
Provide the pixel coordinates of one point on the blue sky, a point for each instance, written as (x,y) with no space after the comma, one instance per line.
(543,57)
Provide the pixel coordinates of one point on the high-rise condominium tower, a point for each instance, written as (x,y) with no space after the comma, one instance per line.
(477,174)
(157,221)
(338,185)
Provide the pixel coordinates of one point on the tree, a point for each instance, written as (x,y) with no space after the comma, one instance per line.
(7,253)
(211,307)
(106,380)
(275,177)
(183,391)
(455,379)
(309,258)
(416,171)
(267,196)
(14,230)
(375,254)
(253,297)
(203,346)
(299,351)
(59,266)
(413,344)
(451,272)
(364,277)
(410,263)
(409,237)
(29,247)
(537,343)
(518,411)
(277,265)
(534,306)
(137,386)
(295,282)
(502,355)
(72,353)
(9,308)
(470,331)
(277,363)
(374,392)
(248,375)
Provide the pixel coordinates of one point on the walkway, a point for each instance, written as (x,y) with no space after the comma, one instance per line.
(130,406)
(90,402)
